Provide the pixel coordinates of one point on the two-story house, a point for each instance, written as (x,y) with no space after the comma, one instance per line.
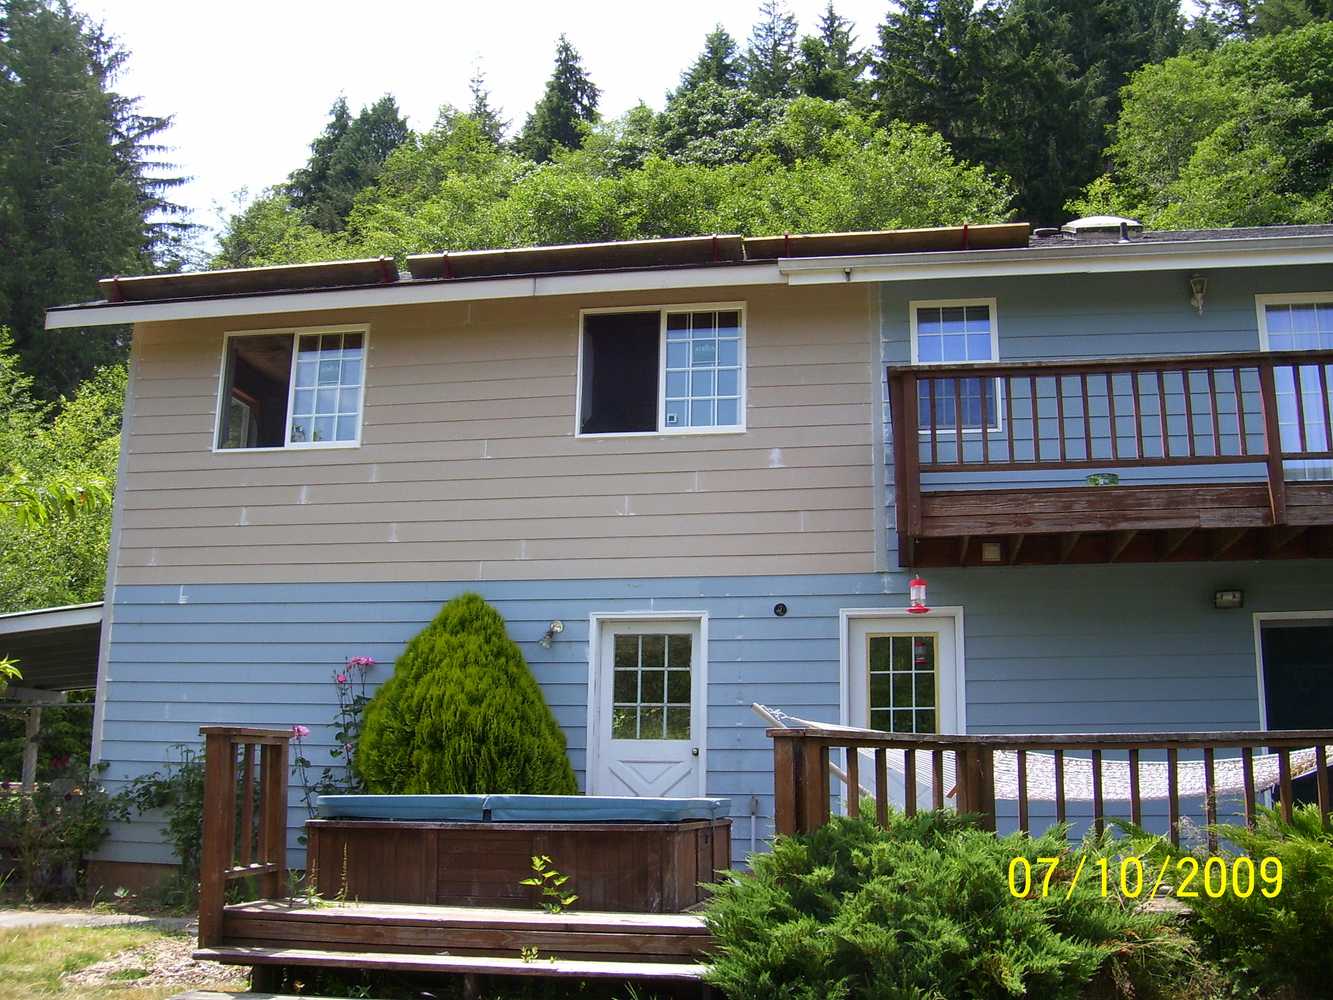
(716,462)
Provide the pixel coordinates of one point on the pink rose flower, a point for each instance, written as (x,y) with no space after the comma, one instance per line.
(300,732)
(341,678)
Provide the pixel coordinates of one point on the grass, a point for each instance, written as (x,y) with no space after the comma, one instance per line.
(33,959)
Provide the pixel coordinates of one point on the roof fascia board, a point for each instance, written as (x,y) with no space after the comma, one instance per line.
(408,293)
(1105,258)
(42,620)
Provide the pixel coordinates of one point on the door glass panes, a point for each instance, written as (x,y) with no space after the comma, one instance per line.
(902,683)
(651,686)
(1301,397)
(952,335)
(326,402)
(703,369)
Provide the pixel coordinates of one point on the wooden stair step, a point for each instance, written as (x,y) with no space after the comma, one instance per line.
(473,964)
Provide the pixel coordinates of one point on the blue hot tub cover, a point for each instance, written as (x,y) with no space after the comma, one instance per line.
(521,808)
(459,808)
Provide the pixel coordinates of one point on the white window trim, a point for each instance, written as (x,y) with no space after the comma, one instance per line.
(295,332)
(912,307)
(1260,617)
(596,620)
(845,679)
(662,428)
(1261,302)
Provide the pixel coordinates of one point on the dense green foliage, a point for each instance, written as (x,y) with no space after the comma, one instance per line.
(177,791)
(82,189)
(344,158)
(462,713)
(53,829)
(921,910)
(61,558)
(1239,136)
(1283,942)
(63,742)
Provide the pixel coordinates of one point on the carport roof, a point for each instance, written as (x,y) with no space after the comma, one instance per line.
(56,648)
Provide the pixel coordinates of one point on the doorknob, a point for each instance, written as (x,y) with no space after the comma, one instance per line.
(694,751)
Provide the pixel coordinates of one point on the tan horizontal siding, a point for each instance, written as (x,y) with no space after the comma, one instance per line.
(469,468)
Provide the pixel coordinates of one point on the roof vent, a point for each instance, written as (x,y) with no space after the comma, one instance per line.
(1103,225)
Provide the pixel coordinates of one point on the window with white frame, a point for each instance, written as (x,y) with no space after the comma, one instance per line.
(292,389)
(1301,323)
(956,331)
(674,369)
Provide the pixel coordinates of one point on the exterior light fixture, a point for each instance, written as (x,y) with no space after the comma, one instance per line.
(1226,600)
(1198,286)
(916,594)
(552,630)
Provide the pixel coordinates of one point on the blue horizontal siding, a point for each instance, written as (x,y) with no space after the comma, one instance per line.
(1048,649)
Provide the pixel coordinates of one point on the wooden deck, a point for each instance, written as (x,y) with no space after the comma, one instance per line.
(1016,437)
(245,839)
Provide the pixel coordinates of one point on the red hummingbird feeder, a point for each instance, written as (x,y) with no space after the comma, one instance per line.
(916,594)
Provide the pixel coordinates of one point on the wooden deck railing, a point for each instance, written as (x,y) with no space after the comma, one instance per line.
(803,760)
(1265,408)
(245,818)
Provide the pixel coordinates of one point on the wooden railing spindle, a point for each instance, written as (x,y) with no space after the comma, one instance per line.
(1213,414)
(1173,793)
(853,761)
(1209,797)
(1059,786)
(1321,783)
(1110,411)
(1135,803)
(1023,790)
(1284,781)
(247,802)
(909,782)
(1247,777)
(882,786)
(1189,411)
(1162,418)
(1241,430)
(1098,806)
(937,774)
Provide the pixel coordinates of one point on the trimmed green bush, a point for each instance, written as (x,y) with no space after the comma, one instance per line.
(922,910)
(1285,942)
(462,713)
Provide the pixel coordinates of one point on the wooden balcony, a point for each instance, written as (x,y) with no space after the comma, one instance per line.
(1224,456)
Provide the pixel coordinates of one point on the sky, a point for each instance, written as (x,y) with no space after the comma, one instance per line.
(250,82)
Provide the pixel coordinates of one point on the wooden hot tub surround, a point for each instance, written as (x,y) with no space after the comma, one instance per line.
(624,867)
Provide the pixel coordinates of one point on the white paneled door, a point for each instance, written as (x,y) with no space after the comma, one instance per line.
(646,733)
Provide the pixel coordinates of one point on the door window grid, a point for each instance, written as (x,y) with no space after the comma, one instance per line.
(952,335)
(902,683)
(702,369)
(651,686)
(1301,326)
(326,399)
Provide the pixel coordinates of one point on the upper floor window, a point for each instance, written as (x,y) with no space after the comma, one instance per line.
(1302,322)
(673,369)
(956,331)
(292,390)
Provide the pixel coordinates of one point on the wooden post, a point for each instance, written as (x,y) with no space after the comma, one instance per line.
(983,790)
(813,785)
(32,728)
(219,820)
(1277,482)
(785,797)
(273,817)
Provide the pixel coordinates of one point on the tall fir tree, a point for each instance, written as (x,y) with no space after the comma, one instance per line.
(488,117)
(569,101)
(345,158)
(82,189)
(719,63)
(770,58)
(830,66)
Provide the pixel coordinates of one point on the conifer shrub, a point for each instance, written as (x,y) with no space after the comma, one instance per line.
(1273,941)
(922,910)
(462,713)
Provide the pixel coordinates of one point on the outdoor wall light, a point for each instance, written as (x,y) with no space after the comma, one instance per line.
(1225,600)
(1198,286)
(552,630)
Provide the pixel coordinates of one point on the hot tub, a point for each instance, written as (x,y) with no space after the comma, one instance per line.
(625,854)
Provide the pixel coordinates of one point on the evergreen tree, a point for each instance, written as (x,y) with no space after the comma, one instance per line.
(770,59)
(830,66)
(570,100)
(82,194)
(344,159)
(480,109)
(462,714)
(717,63)
(931,64)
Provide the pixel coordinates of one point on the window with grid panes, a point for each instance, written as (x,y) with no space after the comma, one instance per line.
(1303,326)
(902,683)
(953,334)
(651,686)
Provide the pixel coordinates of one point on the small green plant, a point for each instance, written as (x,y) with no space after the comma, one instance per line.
(178,791)
(551,882)
(528,954)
